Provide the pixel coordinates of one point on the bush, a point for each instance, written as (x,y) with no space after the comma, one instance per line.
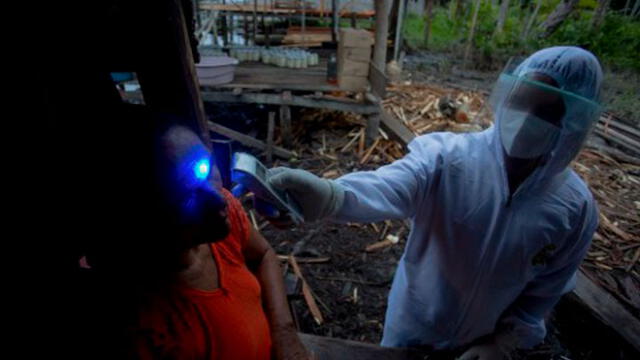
(616,42)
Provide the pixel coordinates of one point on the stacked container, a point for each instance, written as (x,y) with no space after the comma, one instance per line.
(354,53)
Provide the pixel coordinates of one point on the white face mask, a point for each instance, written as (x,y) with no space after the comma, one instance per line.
(526,136)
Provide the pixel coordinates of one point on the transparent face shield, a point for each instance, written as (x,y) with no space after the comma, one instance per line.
(532,115)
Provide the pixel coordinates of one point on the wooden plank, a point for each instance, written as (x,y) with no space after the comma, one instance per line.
(372,128)
(610,136)
(237,97)
(285,125)
(633,144)
(270,128)
(306,292)
(324,348)
(396,129)
(611,120)
(248,140)
(378,81)
(607,310)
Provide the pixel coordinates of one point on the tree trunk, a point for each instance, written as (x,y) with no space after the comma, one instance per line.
(627,7)
(532,19)
(428,17)
(502,17)
(472,32)
(382,30)
(636,8)
(457,7)
(599,14)
(553,21)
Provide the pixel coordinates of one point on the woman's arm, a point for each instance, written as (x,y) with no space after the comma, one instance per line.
(262,260)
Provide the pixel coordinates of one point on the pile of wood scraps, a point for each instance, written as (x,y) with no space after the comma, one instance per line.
(619,133)
(428,108)
(612,261)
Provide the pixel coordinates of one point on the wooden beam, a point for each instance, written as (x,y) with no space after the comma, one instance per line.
(275,99)
(248,140)
(378,81)
(237,97)
(338,349)
(279,87)
(396,129)
(285,125)
(334,20)
(606,309)
(270,127)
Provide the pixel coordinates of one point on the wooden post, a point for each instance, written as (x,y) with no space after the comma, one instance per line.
(167,72)
(196,11)
(246,28)
(472,32)
(224,24)
(399,22)
(372,129)
(229,33)
(264,25)
(255,21)
(285,125)
(334,20)
(270,127)
(304,21)
(382,30)
(215,28)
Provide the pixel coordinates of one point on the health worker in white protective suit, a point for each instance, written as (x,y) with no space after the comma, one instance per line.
(500,223)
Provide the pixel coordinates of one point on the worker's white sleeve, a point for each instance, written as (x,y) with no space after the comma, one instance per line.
(393,191)
(523,324)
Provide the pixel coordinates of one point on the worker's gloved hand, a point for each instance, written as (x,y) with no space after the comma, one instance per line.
(486,351)
(317,198)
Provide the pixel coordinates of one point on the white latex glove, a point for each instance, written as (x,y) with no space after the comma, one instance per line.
(487,351)
(318,198)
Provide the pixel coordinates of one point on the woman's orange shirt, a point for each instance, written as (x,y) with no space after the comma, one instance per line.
(226,323)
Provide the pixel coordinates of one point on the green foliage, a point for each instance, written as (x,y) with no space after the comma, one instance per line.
(616,42)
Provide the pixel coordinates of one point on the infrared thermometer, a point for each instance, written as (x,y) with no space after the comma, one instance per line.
(252,174)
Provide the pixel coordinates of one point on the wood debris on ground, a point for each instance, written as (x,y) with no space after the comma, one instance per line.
(428,108)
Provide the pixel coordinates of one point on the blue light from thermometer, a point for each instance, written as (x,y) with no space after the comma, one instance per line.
(201,169)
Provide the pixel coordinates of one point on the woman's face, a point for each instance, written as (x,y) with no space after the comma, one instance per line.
(195,187)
